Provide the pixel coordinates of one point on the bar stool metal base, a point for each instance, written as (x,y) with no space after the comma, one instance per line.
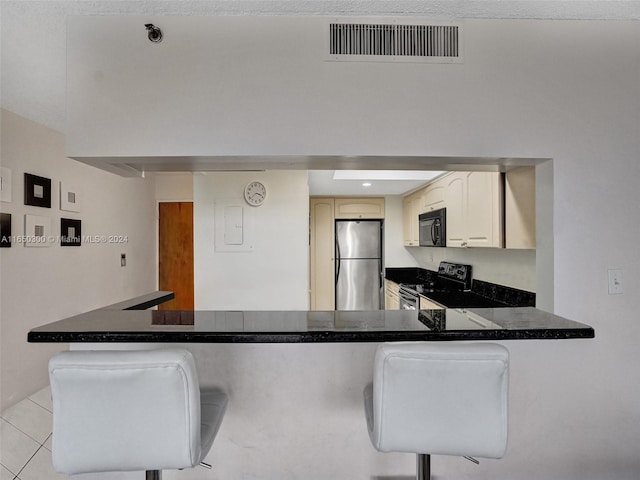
(423,466)
(153,475)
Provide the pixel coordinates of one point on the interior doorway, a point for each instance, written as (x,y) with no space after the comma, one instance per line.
(175,254)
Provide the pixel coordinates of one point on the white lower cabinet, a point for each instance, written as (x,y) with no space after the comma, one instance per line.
(426,304)
(391,295)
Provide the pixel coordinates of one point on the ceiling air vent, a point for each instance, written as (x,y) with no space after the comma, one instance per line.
(395,42)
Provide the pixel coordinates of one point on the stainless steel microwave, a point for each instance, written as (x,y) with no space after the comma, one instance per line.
(433,228)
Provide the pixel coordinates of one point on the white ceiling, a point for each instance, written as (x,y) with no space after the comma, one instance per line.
(33,41)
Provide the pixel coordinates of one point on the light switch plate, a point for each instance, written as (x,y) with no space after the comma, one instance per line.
(615,281)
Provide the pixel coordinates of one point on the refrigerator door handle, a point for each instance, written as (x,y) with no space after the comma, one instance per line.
(337,260)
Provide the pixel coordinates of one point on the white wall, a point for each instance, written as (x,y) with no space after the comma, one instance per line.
(275,274)
(546,89)
(173,187)
(42,285)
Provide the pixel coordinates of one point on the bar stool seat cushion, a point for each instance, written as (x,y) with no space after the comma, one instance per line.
(130,411)
(446,399)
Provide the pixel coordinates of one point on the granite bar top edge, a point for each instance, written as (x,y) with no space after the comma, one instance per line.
(141,302)
(358,337)
(130,323)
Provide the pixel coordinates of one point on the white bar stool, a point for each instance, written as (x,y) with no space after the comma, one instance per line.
(130,411)
(441,399)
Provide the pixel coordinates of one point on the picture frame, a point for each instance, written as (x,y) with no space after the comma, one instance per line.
(70,232)
(69,197)
(5,230)
(37,191)
(37,231)
(5,184)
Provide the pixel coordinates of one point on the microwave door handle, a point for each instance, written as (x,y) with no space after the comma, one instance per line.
(433,233)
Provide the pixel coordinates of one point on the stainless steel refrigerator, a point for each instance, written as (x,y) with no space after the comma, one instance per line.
(358,264)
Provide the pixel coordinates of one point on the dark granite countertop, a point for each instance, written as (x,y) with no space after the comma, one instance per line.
(494,295)
(409,275)
(128,325)
(142,302)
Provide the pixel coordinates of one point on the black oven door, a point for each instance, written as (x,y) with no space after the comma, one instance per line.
(408,299)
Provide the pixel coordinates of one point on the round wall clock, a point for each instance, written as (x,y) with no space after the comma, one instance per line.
(255,193)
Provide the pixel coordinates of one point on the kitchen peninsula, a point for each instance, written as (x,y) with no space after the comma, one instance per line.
(129,322)
(295,378)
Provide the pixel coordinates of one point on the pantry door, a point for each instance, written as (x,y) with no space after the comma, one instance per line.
(175,254)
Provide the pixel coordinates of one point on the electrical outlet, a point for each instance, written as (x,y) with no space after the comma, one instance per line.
(123,259)
(615,281)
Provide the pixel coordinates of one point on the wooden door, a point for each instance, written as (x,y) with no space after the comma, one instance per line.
(175,254)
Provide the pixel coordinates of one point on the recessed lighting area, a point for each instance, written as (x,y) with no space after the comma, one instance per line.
(368,182)
(389,175)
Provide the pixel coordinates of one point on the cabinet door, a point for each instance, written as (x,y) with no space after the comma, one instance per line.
(520,208)
(484,209)
(322,268)
(391,300)
(455,200)
(433,197)
(410,223)
(426,304)
(474,209)
(395,304)
(354,208)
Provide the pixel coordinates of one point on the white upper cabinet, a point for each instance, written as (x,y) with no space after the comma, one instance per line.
(484,209)
(411,206)
(353,208)
(455,200)
(433,197)
(520,208)
(474,203)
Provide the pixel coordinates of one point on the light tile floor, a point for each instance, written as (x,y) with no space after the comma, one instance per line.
(25,439)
